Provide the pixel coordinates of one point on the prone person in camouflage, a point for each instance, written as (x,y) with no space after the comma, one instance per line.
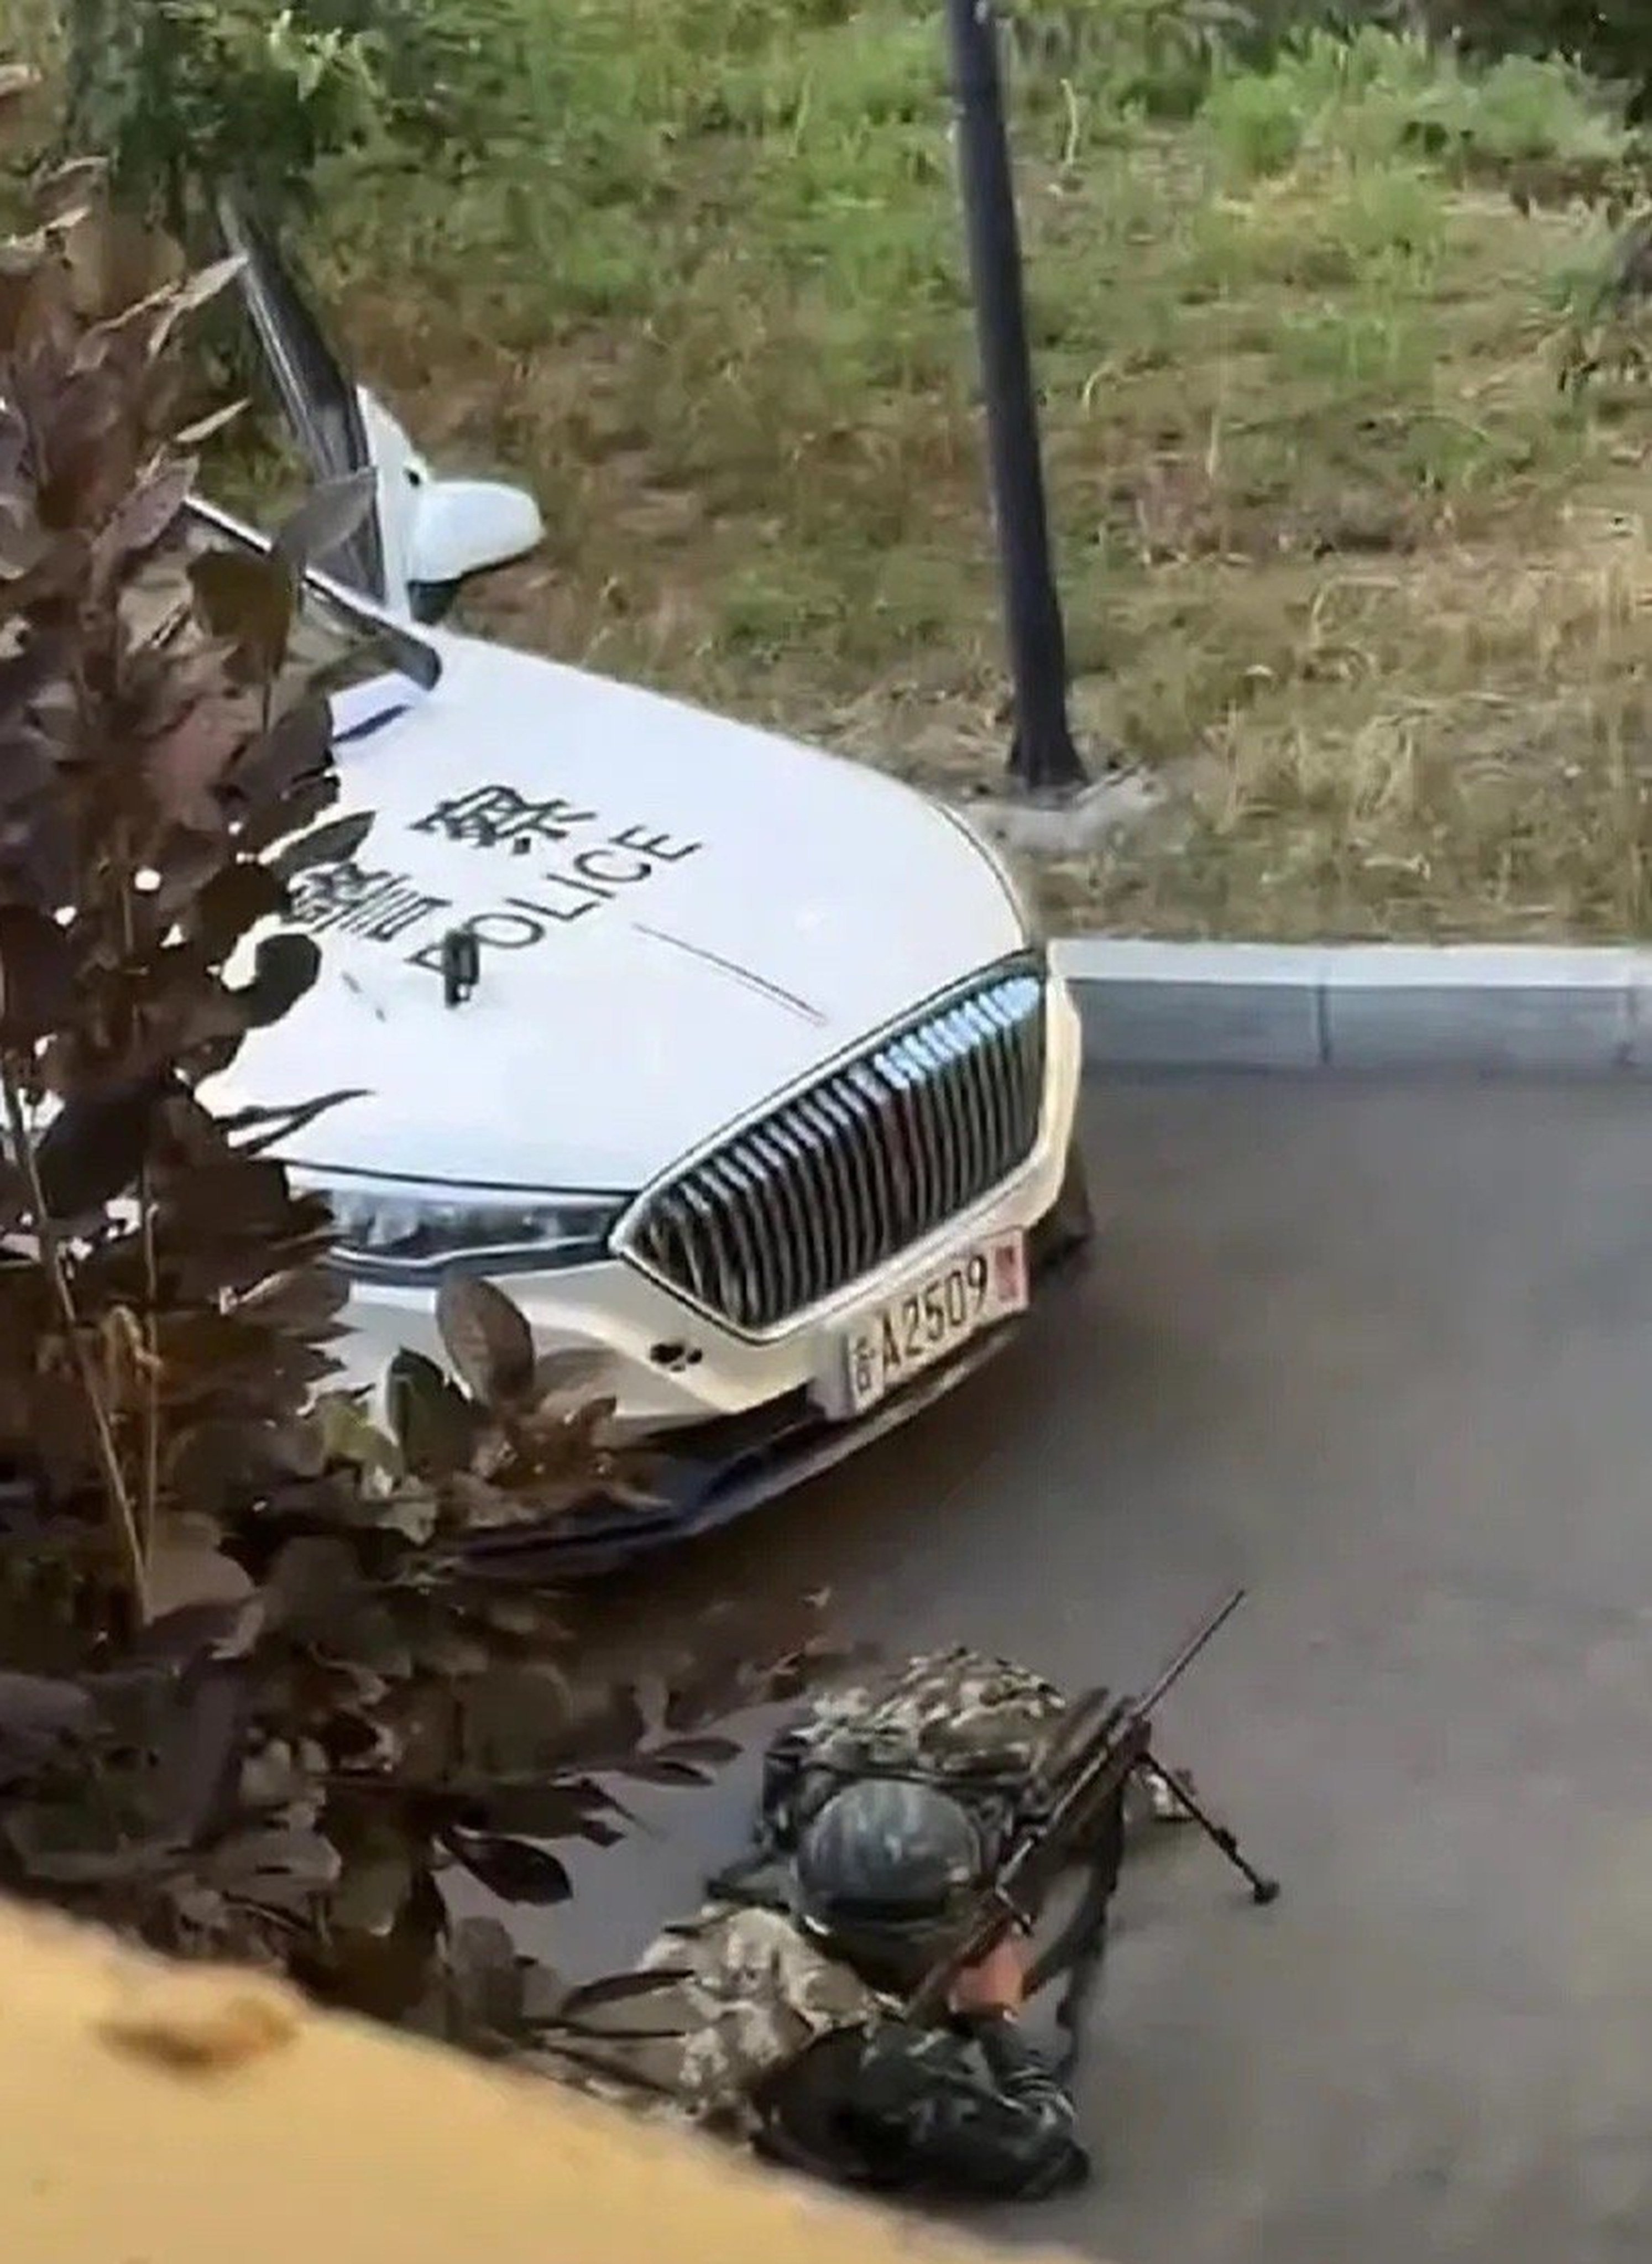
(775,2016)
(978,1726)
(788,2032)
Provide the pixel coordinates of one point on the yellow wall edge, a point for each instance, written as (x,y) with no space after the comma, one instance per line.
(157,2114)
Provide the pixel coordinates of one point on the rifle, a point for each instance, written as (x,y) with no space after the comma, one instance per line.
(1093,1767)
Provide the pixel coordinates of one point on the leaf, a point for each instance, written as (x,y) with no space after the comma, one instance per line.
(328,844)
(272,1126)
(267,821)
(211,1460)
(659,1770)
(36,975)
(94,1150)
(302,1302)
(369,1896)
(226,1629)
(38,1712)
(313,1581)
(577,1434)
(514,1870)
(600,1834)
(43,662)
(622,1989)
(448,1650)
(236,898)
(547,1806)
(115,261)
(147,514)
(730,1660)
(543,1994)
(534,1618)
(60,1437)
(326,519)
(185,862)
(249,600)
(191,759)
(285,967)
(193,1792)
(66,189)
(482,1507)
(186,1568)
(232,1198)
(350,1435)
(30,560)
(296,747)
(188,298)
(281,1870)
(25,295)
(67,1846)
(434,1424)
(564,1381)
(712,1753)
(208,427)
(17,83)
(484,1979)
(411,1510)
(487,1339)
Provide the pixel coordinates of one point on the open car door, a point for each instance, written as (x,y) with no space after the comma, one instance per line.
(424,536)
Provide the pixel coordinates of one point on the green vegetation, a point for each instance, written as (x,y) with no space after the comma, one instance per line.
(1344,563)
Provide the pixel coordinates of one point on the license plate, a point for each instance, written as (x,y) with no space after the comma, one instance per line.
(891,1343)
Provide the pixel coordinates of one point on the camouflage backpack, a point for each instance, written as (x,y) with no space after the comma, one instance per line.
(716,2003)
(975,1726)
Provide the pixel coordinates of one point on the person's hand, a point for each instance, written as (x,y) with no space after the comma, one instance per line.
(998,1985)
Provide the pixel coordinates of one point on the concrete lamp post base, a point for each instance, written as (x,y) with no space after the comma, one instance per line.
(1065,822)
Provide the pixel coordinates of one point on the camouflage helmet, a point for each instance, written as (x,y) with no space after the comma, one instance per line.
(886,1875)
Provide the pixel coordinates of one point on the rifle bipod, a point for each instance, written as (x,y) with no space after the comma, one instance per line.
(1263,1890)
(1086,1923)
(1103,1743)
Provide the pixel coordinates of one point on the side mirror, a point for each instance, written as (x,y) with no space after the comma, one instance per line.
(461,528)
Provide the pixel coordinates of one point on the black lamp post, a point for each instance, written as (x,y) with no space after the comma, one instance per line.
(1043,758)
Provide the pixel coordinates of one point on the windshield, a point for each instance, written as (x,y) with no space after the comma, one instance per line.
(317,395)
(348,638)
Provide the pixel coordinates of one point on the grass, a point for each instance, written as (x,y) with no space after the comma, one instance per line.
(1342,565)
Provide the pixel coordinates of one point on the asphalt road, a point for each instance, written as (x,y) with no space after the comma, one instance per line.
(1385,1354)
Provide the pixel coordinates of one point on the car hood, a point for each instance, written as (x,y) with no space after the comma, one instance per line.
(676,916)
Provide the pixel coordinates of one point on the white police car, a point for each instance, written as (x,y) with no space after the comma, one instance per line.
(739,1063)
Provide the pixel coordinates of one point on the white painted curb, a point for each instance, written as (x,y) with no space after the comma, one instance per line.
(1468,1007)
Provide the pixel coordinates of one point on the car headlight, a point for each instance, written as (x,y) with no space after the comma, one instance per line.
(1012,877)
(407,1234)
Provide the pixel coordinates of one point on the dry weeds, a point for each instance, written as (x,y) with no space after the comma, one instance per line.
(1343,567)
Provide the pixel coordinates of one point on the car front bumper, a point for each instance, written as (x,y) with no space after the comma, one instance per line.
(719,1470)
(720,1404)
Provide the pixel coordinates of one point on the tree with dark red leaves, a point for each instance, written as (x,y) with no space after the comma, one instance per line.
(255,1692)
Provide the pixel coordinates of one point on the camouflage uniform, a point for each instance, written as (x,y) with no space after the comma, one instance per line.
(752,2033)
(976,1726)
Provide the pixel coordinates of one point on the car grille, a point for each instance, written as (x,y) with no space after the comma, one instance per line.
(853,1169)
